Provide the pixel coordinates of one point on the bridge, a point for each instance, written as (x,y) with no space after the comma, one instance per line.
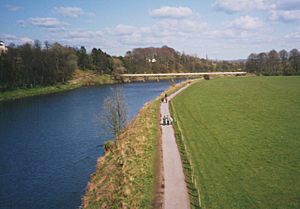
(181,74)
(157,76)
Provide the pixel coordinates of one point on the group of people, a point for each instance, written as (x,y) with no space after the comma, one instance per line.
(167,120)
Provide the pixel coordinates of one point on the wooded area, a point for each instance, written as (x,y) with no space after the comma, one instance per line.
(31,65)
(274,63)
(166,60)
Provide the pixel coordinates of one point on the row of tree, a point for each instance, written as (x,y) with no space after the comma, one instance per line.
(97,60)
(166,59)
(31,65)
(274,63)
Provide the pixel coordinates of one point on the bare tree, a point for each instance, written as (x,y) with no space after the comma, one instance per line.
(114,111)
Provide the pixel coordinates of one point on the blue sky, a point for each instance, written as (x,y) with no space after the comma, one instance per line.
(222,29)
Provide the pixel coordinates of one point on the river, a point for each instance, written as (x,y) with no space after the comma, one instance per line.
(49,144)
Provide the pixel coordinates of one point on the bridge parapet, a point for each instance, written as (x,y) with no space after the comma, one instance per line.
(182,74)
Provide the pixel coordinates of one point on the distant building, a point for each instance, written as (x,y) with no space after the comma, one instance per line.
(3,48)
(152,60)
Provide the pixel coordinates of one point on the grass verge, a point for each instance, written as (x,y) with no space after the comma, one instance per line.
(188,168)
(130,175)
(124,177)
(242,135)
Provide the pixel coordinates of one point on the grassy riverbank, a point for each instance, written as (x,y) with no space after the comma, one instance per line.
(80,78)
(130,175)
(242,135)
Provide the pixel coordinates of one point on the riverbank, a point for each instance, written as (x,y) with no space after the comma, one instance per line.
(80,78)
(130,174)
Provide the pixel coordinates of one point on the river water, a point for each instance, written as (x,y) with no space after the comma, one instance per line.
(49,144)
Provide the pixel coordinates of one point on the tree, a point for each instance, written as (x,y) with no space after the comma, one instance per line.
(83,61)
(273,63)
(252,63)
(114,114)
(284,58)
(262,63)
(294,60)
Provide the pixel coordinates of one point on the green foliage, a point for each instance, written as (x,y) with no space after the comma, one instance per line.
(30,65)
(243,138)
(166,59)
(109,146)
(274,63)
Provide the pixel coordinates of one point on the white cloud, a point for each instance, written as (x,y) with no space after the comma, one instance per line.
(231,6)
(285,16)
(294,35)
(182,25)
(287,4)
(172,12)
(44,22)
(77,37)
(13,8)
(9,38)
(245,23)
(280,10)
(69,11)
(123,30)
(77,34)
(163,31)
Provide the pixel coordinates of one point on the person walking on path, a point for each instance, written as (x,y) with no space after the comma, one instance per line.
(176,193)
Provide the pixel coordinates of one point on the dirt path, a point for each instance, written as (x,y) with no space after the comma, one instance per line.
(176,193)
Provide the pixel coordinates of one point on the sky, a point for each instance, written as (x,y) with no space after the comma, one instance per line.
(219,29)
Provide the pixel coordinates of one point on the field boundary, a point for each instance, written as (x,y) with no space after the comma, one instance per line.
(188,168)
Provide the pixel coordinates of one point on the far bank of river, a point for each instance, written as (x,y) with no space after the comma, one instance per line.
(49,144)
(90,80)
(80,79)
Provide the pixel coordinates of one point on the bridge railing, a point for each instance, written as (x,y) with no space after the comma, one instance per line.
(182,74)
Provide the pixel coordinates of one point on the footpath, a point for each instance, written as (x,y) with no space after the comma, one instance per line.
(176,193)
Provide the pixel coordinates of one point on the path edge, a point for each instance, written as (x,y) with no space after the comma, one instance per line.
(188,168)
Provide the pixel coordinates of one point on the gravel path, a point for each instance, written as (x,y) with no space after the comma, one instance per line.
(176,194)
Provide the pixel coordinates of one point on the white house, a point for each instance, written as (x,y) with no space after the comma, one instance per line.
(3,48)
(151,60)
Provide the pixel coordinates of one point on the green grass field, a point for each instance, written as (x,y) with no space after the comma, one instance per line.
(243,136)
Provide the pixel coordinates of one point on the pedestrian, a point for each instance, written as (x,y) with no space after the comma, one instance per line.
(164,120)
(171,120)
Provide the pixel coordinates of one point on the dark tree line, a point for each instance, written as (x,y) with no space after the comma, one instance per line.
(31,65)
(97,60)
(274,63)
